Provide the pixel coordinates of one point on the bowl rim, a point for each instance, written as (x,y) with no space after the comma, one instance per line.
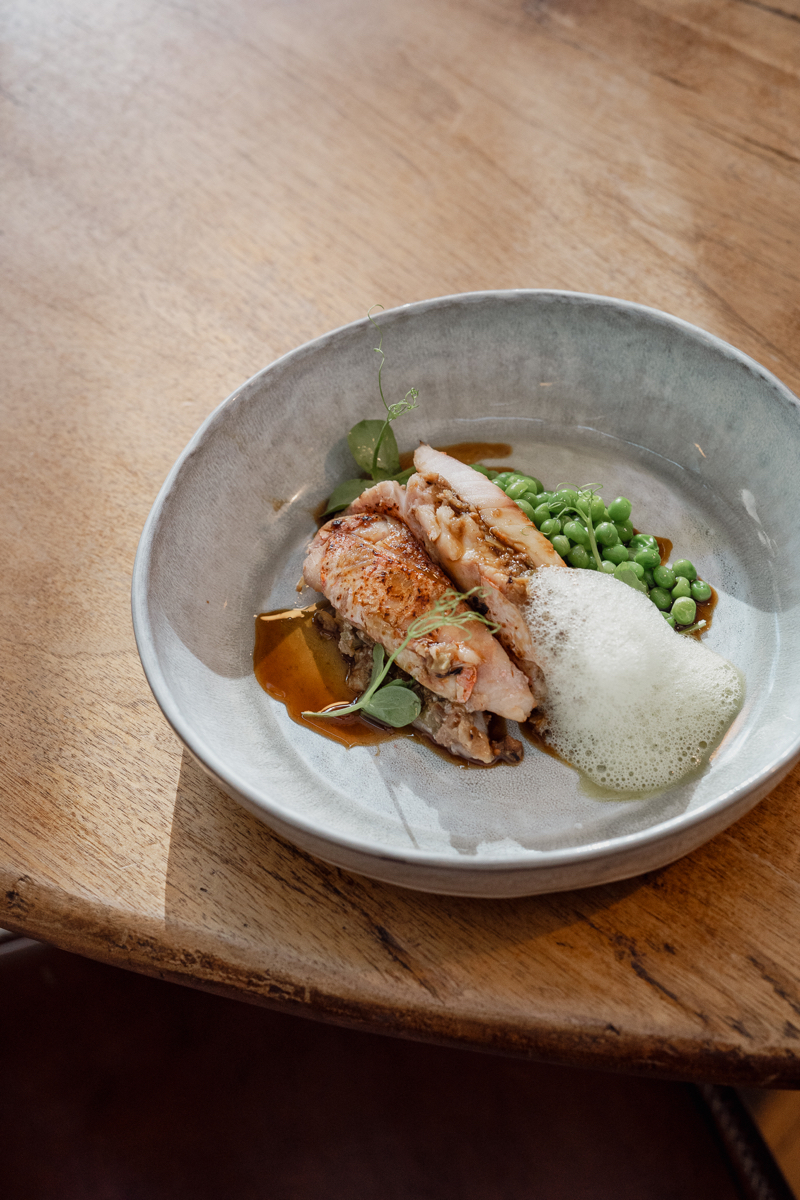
(261,802)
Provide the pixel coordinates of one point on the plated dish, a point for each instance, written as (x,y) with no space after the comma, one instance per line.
(584,665)
(704,439)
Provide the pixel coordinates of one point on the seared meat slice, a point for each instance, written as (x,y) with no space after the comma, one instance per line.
(463,733)
(470,492)
(480,537)
(379,578)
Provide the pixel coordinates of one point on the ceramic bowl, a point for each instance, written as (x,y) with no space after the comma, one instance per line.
(702,439)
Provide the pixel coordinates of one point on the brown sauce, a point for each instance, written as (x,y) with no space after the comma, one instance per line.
(296,664)
(465,452)
(531,734)
(705,612)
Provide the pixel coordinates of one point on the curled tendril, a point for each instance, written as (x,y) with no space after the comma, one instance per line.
(393,411)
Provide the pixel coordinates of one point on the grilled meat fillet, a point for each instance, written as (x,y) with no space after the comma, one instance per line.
(379,578)
(464,734)
(480,537)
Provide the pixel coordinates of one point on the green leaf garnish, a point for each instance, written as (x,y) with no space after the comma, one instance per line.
(381,461)
(394,705)
(373,444)
(386,702)
(344,494)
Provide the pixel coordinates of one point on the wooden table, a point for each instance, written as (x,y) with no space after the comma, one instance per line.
(191,189)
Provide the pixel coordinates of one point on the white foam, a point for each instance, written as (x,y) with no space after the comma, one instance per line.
(630,702)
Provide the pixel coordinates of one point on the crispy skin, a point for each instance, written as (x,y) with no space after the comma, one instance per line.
(379,578)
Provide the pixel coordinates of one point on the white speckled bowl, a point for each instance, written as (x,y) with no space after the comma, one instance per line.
(701,438)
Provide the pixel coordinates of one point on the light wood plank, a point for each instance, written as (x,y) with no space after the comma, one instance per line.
(189,191)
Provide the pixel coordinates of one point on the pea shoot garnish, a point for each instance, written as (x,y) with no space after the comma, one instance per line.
(373,444)
(396,703)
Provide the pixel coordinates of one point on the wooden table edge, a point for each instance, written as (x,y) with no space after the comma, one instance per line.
(106,935)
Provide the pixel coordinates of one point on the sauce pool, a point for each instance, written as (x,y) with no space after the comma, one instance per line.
(465,452)
(296,664)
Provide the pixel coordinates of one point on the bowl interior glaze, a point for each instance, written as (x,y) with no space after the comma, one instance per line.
(702,439)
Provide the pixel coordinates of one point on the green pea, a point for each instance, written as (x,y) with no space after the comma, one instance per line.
(492,474)
(648,557)
(591,564)
(606,534)
(701,591)
(624,529)
(545,497)
(591,506)
(661,598)
(648,578)
(608,568)
(682,589)
(636,568)
(503,478)
(526,508)
(551,527)
(668,617)
(684,569)
(619,509)
(561,544)
(578,557)
(541,514)
(639,540)
(517,488)
(565,498)
(534,485)
(531,498)
(576,532)
(684,610)
(616,554)
(665,577)
(481,469)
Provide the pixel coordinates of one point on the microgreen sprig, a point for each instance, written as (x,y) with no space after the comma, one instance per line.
(372,443)
(393,411)
(583,509)
(396,703)
(693,628)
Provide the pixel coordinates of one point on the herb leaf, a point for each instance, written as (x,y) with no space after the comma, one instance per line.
(378,659)
(444,612)
(345,493)
(363,441)
(394,705)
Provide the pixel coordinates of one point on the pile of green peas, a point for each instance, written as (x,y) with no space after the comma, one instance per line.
(634,558)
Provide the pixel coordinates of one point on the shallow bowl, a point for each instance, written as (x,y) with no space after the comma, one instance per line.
(703,440)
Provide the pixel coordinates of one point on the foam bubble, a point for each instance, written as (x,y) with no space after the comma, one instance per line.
(629,701)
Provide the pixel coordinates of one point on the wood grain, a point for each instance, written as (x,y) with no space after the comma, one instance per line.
(191,189)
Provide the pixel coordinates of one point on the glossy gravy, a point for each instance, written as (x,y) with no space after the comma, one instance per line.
(465,452)
(296,664)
